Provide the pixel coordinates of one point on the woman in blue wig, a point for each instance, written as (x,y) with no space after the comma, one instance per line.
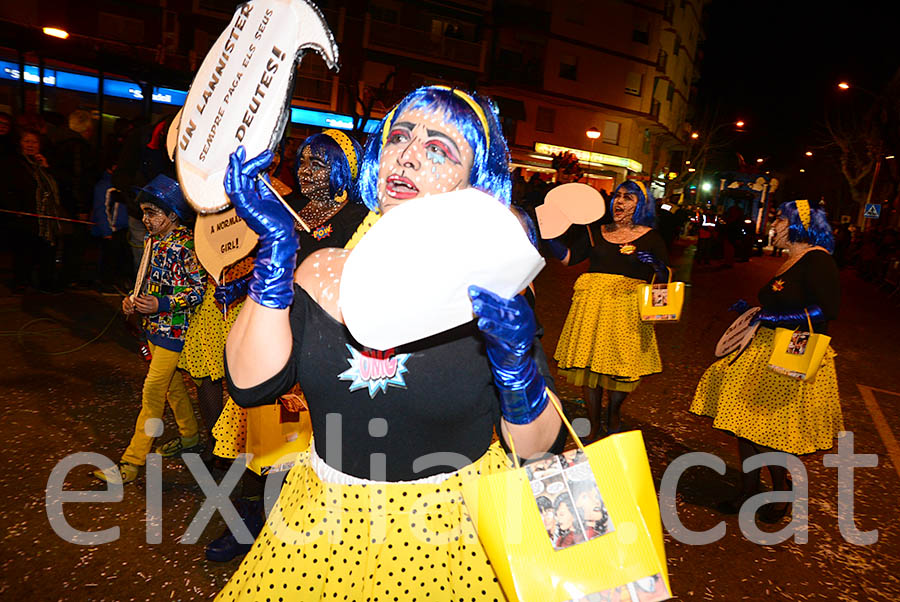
(374,508)
(604,344)
(768,411)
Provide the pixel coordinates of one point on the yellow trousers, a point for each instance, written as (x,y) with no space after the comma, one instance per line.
(163,382)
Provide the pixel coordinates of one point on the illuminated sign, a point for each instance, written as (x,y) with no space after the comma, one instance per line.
(116,88)
(589,157)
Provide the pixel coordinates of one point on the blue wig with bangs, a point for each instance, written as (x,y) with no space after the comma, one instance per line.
(819,232)
(341,178)
(490,164)
(644,211)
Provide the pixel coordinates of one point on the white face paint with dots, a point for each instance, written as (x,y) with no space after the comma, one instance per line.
(423,155)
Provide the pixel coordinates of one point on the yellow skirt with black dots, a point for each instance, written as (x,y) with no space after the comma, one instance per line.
(203,355)
(756,403)
(372,541)
(230,431)
(603,341)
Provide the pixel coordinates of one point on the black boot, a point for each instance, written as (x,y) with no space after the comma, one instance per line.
(226,547)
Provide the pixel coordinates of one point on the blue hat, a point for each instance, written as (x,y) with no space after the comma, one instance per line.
(165,193)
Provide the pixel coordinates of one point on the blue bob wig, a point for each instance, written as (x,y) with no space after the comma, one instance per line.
(819,232)
(644,211)
(341,179)
(490,164)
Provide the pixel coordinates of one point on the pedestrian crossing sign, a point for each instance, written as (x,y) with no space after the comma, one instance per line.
(873,210)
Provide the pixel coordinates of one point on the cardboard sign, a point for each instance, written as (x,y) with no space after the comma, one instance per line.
(222,239)
(408,278)
(569,204)
(739,334)
(241,94)
(143,269)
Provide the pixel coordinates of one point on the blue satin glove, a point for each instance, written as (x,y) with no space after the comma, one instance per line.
(789,318)
(228,293)
(740,306)
(557,249)
(508,326)
(658,265)
(272,284)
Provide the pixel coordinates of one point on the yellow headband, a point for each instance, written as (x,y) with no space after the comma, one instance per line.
(642,187)
(346,145)
(479,112)
(803,212)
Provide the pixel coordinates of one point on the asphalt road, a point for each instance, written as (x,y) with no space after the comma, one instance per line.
(65,392)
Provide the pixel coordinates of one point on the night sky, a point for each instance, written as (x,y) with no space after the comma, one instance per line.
(776,65)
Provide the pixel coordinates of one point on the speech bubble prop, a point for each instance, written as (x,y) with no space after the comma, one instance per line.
(220,240)
(408,278)
(739,334)
(172,135)
(569,204)
(242,92)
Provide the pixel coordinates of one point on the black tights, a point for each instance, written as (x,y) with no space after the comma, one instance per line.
(750,480)
(593,398)
(210,398)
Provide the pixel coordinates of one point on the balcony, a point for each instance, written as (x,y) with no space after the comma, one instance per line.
(422,44)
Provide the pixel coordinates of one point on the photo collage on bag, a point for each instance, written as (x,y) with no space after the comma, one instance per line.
(568,499)
(798,343)
(648,589)
(659,295)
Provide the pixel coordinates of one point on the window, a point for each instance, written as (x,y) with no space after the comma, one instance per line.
(545,119)
(383,13)
(669,11)
(633,83)
(670,93)
(677,45)
(661,59)
(611,132)
(641,33)
(568,67)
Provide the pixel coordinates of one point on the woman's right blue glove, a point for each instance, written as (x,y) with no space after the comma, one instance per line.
(272,284)
(558,249)
(740,306)
(228,293)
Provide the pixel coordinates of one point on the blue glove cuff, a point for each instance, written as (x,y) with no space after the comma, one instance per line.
(791,317)
(272,284)
(523,393)
(557,249)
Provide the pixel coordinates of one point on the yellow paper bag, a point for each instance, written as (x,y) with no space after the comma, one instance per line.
(273,444)
(798,354)
(615,551)
(661,302)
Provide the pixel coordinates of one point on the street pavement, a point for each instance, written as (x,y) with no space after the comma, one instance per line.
(73,378)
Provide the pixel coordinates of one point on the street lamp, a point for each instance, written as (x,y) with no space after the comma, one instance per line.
(844,86)
(56,32)
(695,135)
(760,160)
(809,153)
(739,124)
(592,133)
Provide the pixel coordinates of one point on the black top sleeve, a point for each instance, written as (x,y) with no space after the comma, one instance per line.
(813,280)
(268,391)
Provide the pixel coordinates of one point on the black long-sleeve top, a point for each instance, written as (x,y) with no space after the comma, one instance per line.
(614,258)
(813,280)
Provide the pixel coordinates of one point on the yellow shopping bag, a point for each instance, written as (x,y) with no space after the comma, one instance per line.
(577,527)
(798,354)
(275,437)
(661,302)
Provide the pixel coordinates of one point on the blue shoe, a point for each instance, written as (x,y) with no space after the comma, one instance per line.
(226,547)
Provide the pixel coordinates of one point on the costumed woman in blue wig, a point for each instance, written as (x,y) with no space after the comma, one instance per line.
(345,527)
(327,171)
(765,410)
(604,344)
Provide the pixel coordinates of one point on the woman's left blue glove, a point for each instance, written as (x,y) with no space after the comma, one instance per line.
(228,293)
(272,284)
(658,265)
(508,326)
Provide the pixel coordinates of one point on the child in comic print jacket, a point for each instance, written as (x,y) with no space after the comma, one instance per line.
(175,285)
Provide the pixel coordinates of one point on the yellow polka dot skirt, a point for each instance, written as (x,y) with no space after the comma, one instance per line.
(230,431)
(603,335)
(204,344)
(753,401)
(375,542)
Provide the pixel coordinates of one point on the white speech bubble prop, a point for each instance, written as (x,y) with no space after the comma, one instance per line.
(739,334)
(569,204)
(242,92)
(222,239)
(408,278)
